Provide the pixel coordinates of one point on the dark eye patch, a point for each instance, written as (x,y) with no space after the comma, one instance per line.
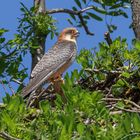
(70,31)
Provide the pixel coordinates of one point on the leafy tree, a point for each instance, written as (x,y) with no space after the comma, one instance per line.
(102,99)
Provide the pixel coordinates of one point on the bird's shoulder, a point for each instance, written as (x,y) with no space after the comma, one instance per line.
(64,43)
(61,50)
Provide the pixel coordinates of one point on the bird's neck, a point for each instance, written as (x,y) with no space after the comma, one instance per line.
(67,38)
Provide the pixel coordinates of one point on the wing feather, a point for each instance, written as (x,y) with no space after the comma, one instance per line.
(50,63)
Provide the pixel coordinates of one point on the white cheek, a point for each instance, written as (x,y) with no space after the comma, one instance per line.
(68,37)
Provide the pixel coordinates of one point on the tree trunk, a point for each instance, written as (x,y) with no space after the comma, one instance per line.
(39,52)
(136,17)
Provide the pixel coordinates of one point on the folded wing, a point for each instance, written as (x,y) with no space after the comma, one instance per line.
(61,55)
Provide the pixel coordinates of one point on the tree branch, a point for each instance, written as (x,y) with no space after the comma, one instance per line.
(104,71)
(78,13)
(128,110)
(18,82)
(84,25)
(68,11)
(6,136)
(124,100)
(108,38)
(41,6)
(135,5)
(39,52)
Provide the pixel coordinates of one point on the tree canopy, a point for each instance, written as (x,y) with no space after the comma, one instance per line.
(103,100)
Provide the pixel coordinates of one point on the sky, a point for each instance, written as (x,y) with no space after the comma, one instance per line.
(10,11)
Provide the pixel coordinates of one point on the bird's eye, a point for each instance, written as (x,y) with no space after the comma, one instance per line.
(72,31)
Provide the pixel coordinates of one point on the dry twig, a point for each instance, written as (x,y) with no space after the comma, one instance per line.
(6,136)
(124,100)
(128,110)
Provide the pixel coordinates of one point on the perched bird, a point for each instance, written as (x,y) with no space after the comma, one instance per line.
(55,61)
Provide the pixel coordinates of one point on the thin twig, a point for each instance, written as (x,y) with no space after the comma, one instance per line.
(108,38)
(128,110)
(10,87)
(6,136)
(124,100)
(84,25)
(18,82)
(104,71)
(115,112)
(3,86)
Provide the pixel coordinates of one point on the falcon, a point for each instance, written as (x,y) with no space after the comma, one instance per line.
(55,62)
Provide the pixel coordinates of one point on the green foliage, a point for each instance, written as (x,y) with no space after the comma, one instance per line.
(10,61)
(32,25)
(115,67)
(84,116)
(111,69)
(110,8)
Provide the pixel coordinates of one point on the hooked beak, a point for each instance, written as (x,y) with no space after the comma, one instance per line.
(76,34)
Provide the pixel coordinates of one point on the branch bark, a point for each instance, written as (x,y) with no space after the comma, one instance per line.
(68,11)
(135,5)
(37,55)
(123,100)
(6,136)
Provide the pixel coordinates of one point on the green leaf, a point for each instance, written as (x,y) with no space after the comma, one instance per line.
(118,13)
(126,74)
(74,8)
(9,122)
(127,124)
(137,137)
(2,31)
(73,16)
(136,122)
(52,35)
(121,82)
(13,104)
(116,6)
(84,1)
(94,16)
(137,45)
(75,75)
(120,104)
(2,40)
(69,20)
(80,128)
(111,28)
(35,47)
(44,106)
(86,17)
(78,3)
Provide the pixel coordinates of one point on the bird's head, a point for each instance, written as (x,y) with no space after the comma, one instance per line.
(69,34)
